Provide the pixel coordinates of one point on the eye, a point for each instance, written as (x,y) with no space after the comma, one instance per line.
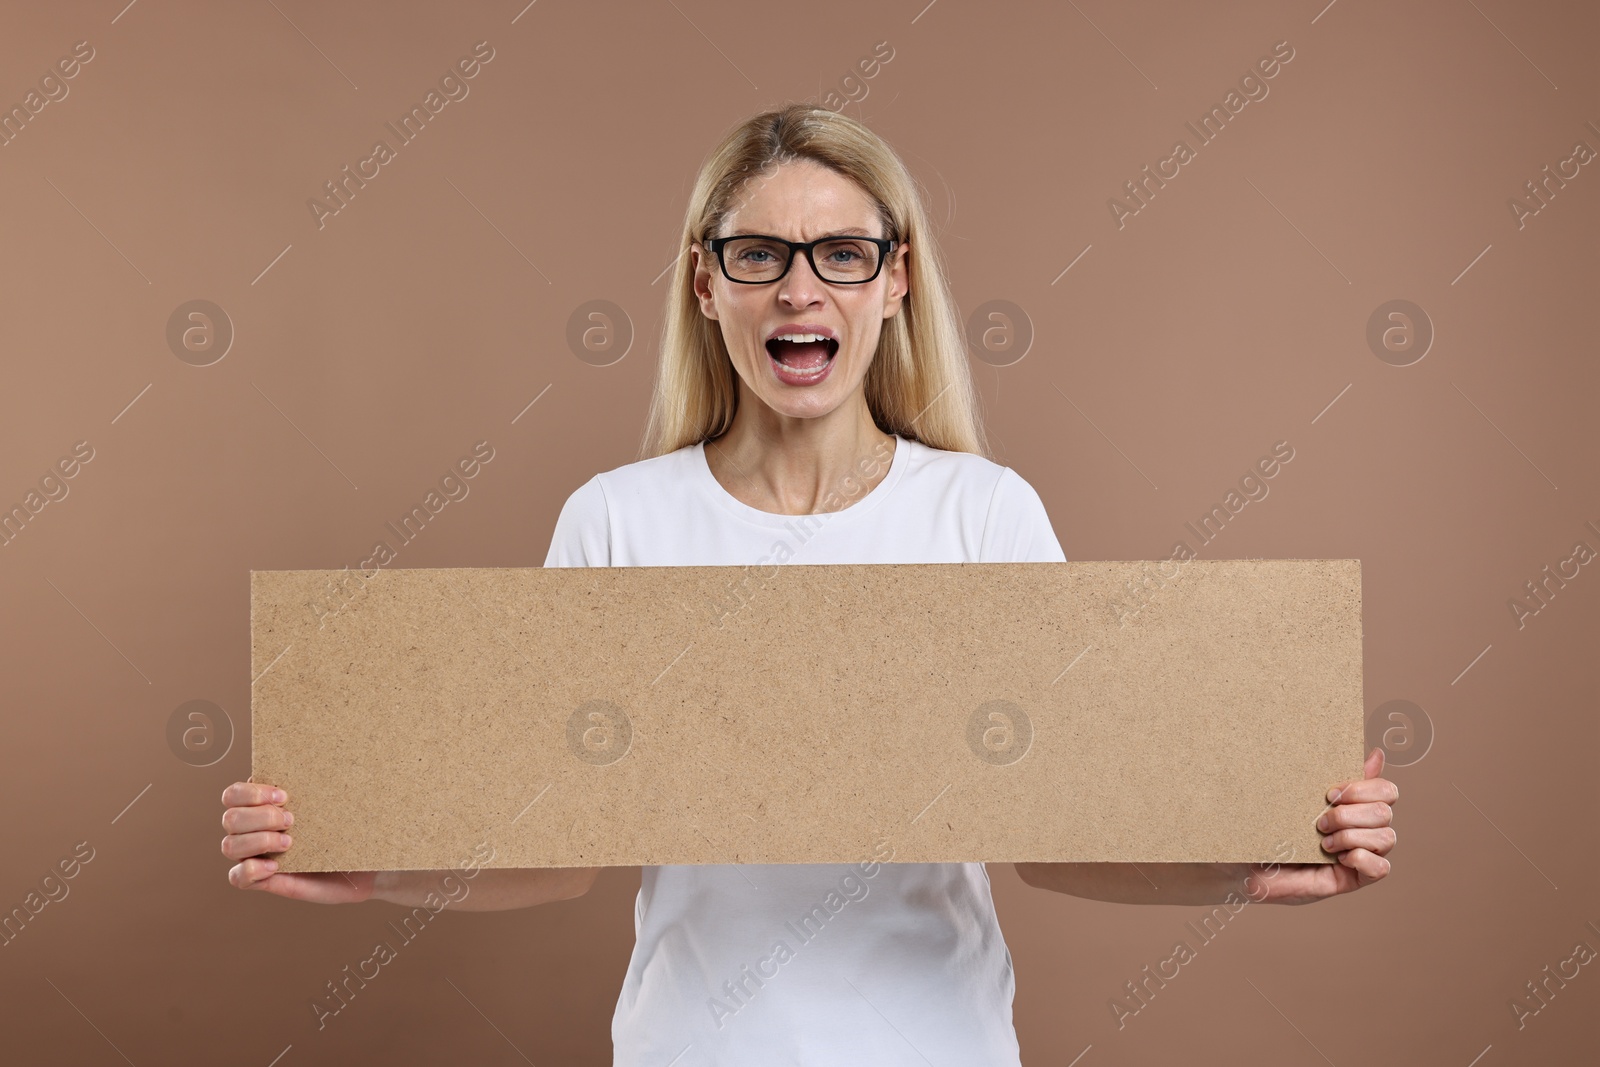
(847,253)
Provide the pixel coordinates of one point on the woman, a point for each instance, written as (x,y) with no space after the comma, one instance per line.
(812,365)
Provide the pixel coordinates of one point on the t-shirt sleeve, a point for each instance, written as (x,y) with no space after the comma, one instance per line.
(582,536)
(1018,529)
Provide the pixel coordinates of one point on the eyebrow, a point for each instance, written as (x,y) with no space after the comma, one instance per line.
(853,231)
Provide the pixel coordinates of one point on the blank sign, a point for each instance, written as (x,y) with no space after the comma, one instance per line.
(1083,711)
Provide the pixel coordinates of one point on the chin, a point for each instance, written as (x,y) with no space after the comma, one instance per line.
(809,408)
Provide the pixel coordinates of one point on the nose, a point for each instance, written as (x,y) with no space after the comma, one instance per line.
(800,286)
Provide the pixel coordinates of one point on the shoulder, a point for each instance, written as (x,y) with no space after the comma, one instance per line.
(966,469)
(582,536)
(648,483)
(1016,526)
(971,475)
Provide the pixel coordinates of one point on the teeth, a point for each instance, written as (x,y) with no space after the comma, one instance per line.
(798,373)
(800,338)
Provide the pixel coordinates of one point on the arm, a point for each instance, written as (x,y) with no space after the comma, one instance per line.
(499,889)
(1160,883)
(1356,828)
(258,824)
(581,539)
(1017,530)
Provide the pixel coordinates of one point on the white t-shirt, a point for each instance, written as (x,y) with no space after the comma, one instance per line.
(876,963)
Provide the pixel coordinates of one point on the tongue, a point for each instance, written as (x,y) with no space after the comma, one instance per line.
(806,356)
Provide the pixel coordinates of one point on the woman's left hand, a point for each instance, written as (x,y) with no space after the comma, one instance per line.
(1356,828)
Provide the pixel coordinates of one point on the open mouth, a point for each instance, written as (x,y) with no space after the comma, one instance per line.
(803,356)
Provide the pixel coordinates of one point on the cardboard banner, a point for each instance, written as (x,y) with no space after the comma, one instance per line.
(1084,711)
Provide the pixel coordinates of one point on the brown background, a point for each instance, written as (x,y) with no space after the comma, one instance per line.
(370,354)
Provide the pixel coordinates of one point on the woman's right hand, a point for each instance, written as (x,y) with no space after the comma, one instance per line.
(254,819)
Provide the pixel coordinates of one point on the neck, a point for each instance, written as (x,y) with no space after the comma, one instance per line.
(799,466)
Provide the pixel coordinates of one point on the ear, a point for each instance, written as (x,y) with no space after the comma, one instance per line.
(898,288)
(702,262)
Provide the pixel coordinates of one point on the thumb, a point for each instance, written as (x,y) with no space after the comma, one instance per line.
(1374,764)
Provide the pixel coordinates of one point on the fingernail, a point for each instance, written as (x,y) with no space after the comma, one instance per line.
(1334,795)
(279,796)
(272,865)
(288,818)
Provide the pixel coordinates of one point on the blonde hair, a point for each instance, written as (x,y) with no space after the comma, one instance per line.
(918,384)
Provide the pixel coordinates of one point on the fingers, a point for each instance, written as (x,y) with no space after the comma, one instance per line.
(247,874)
(1356,824)
(254,820)
(250,819)
(243,846)
(1347,816)
(1368,867)
(242,793)
(262,817)
(1377,841)
(1372,789)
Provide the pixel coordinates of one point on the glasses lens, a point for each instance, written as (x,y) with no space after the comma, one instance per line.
(752,259)
(846,260)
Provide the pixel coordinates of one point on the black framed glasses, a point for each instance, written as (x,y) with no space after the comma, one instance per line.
(755,259)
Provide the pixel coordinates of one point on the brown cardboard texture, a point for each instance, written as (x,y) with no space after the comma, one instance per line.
(1091,711)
